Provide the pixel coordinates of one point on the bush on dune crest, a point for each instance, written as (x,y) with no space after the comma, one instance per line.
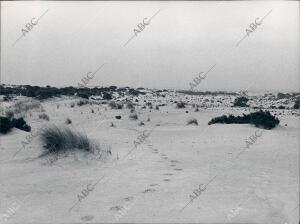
(6,124)
(57,140)
(260,119)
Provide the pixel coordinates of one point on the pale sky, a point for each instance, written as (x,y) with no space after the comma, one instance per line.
(183,39)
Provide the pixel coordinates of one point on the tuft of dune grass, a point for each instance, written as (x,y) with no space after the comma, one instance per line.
(61,139)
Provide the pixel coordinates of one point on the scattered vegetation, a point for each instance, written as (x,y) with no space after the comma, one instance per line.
(261,119)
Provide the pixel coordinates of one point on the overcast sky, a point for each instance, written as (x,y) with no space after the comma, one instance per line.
(183,39)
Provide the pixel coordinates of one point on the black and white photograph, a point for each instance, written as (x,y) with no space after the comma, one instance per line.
(149,112)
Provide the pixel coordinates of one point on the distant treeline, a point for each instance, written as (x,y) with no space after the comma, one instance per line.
(48,91)
(215,93)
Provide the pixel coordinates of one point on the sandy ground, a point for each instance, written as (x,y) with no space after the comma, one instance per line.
(154,182)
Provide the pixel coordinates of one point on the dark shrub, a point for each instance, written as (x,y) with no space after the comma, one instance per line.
(180,105)
(296,105)
(260,119)
(83,95)
(240,102)
(5,125)
(44,117)
(129,105)
(106,96)
(114,105)
(68,121)
(21,124)
(82,102)
(9,114)
(281,107)
(133,116)
(118,117)
(192,121)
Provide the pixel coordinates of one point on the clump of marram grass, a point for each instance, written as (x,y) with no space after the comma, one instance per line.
(62,139)
(192,121)
(44,117)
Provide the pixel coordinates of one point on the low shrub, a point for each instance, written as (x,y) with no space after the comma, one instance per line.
(118,117)
(261,119)
(180,104)
(68,121)
(44,117)
(82,102)
(130,105)
(133,116)
(192,121)
(114,105)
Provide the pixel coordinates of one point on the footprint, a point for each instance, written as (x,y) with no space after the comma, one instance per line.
(164,157)
(128,199)
(178,169)
(87,218)
(163,154)
(174,161)
(148,190)
(155,152)
(173,165)
(166,179)
(116,208)
(152,185)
